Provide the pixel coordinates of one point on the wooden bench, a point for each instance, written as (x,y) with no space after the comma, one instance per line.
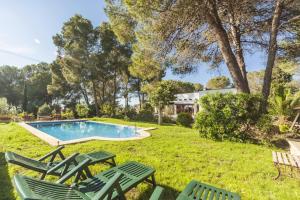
(286,160)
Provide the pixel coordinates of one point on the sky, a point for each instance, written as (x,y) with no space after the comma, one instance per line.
(28,27)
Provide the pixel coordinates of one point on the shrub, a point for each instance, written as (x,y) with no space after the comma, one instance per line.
(82,110)
(6,109)
(68,114)
(107,109)
(146,113)
(167,119)
(44,110)
(227,116)
(265,123)
(184,119)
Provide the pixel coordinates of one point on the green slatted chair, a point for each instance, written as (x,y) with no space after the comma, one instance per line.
(110,184)
(196,190)
(45,168)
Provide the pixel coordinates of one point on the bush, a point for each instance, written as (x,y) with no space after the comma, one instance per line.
(44,110)
(68,114)
(265,123)
(146,113)
(107,109)
(227,116)
(184,119)
(82,110)
(6,109)
(167,119)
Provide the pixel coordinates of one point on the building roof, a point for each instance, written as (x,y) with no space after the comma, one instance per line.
(191,98)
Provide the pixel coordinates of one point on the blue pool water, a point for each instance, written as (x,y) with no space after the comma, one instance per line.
(83,129)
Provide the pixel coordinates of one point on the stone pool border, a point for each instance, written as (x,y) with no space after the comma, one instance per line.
(53,141)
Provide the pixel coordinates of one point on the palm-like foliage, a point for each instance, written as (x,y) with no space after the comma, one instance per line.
(283,103)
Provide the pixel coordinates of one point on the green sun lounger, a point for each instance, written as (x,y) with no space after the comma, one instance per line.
(58,168)
(196,190)
(110,184)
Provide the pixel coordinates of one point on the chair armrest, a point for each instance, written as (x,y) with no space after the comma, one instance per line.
(157,194)
(63,163)
(52,153)
(77,169)
(108,188)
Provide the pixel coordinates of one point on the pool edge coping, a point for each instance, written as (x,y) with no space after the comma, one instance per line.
(53,141)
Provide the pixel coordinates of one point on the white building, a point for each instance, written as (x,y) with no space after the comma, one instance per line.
(188,102)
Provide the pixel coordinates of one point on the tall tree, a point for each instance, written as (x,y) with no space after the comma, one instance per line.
(11,81)
(37,77)
(76,44)
(160,94)
(188,32)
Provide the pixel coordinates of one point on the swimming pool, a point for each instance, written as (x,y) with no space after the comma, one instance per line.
(65,132)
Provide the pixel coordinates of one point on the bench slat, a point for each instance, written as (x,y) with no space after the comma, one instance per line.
(292,160)
(297,160)
(275,160)
(285,159)
(280,161)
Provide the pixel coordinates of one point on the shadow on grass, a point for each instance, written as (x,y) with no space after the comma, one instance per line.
(6,188)
(168,193)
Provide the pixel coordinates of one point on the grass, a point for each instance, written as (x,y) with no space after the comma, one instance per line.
(178,154)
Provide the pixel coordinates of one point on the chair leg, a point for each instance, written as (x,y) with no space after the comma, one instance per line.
(153,180)
(113,162)
(42,176)
(279,172)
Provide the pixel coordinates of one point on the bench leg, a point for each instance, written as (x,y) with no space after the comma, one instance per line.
(279,172)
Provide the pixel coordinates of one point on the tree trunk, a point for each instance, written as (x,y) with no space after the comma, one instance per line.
(223,41)
(115,92)
(271,54)
(85,96)
(103,93)
(25,99)
(236,34)
(95,99)
(160,114)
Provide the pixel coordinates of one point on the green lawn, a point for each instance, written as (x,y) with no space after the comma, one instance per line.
(178,154)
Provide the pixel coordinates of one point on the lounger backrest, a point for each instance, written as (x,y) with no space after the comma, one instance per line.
(26,162)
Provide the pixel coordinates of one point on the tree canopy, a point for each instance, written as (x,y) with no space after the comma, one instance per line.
(219,82)
(181,34)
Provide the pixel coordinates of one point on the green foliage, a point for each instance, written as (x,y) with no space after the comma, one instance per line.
(184,87)
(145,114)
(282,103)
(198,87)
(255,80)
(265,123)
(161,93)
(6,109)
(44,110)
(67,114)
(227,116)
(107,109)
(218,82)
(11,81)
(82,110)
(37,78)
(184,119)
